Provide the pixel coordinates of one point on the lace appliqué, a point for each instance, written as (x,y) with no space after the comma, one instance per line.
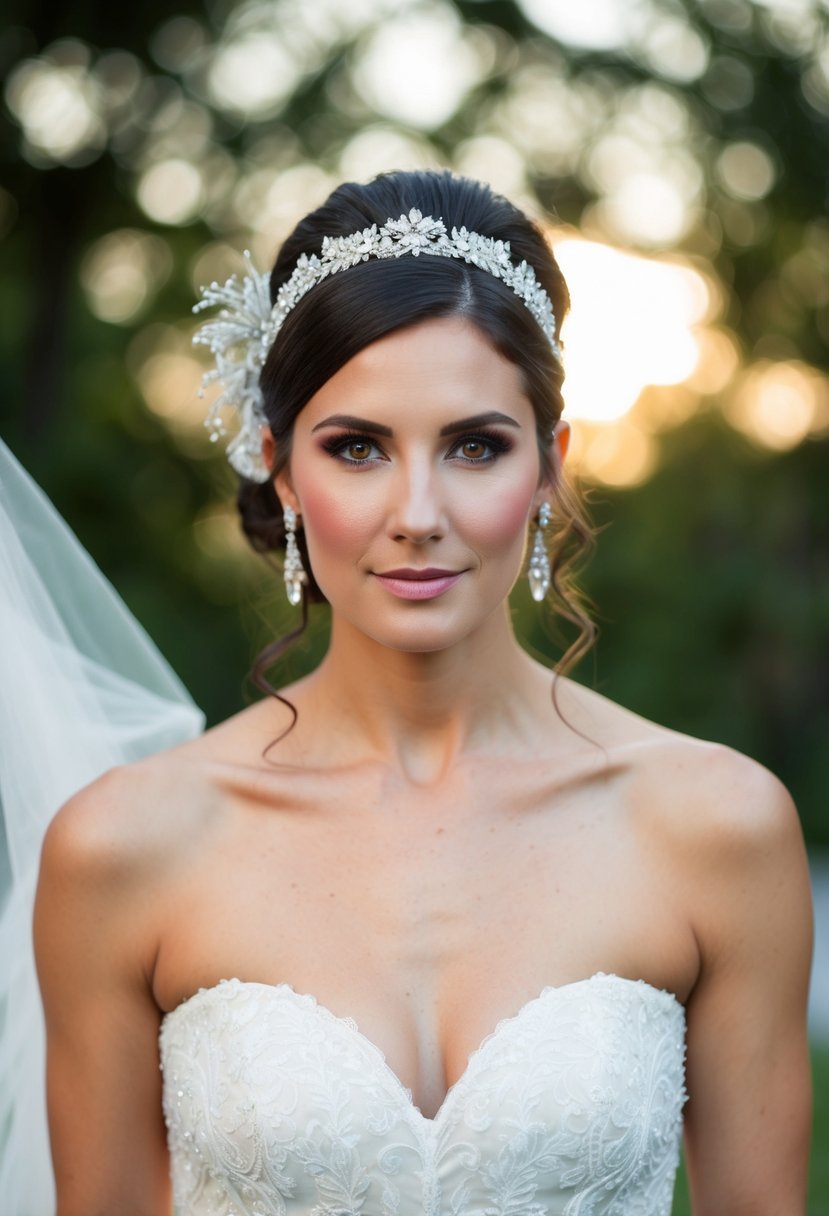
(276,1107)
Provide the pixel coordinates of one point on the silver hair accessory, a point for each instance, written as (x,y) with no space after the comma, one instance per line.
(292,570)
(538,571)
(240,337)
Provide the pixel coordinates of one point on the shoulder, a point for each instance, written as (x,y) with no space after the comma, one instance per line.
(727,837)
(711,817)
(152,814)
(701,792)
(132,820)
(112,861)
(713,800)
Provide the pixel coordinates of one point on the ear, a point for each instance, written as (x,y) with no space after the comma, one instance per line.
(268,445)
(282,481)
(561,441)
(557,452)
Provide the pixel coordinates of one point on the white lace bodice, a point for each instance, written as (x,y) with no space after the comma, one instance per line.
(277,1107)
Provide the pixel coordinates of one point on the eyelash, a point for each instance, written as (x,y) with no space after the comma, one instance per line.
(499,445)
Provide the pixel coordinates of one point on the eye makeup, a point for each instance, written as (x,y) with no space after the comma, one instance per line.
(495,444)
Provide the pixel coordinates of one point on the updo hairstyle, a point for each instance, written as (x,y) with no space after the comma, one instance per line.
(349,310)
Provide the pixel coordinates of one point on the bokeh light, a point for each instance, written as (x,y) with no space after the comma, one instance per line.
(492,159)
(728,83)
(57,102)
(649,184)
(253,74)
(549,119)
(270,204)
(590,24)
(161,360)
(624,454)
(778,404)
(374,149)
(178,42)
(672,48)
(172,191)
(416,67)
(122,271)
(746,170)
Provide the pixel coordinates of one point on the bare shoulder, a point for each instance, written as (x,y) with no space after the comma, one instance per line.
(146,817)
(737,850)
(111,862)
(703,793)
(726,835)
(134,819)
(723,834)
(711,798)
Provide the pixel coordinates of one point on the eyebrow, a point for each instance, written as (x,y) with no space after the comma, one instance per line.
(491,418)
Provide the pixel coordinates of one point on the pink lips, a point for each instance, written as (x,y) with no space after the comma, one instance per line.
(425,584)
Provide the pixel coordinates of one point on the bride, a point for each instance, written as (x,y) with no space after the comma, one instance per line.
(432,930)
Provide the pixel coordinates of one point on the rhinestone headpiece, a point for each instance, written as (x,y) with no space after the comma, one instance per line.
(240,337)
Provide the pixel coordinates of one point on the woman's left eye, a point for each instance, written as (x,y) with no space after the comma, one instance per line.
(480,449)
(357,450)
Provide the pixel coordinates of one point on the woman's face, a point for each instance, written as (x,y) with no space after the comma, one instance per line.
(415,470)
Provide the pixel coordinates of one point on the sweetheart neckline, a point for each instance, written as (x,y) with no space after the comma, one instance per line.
(348,1023)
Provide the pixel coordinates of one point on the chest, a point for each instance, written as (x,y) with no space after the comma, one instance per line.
(496,855)
(507,877)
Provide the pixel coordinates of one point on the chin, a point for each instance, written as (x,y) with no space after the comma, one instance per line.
(424,627)
(425,630)
(424,641)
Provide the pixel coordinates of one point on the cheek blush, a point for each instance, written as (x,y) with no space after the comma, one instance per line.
(336,523)
(501,516)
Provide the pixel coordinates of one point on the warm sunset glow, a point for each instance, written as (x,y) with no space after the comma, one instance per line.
(778,405)
(621,454)
(632,324)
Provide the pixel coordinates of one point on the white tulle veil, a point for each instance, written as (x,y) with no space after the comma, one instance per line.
(82,688)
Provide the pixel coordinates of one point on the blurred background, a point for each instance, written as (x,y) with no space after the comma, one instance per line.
(677,153)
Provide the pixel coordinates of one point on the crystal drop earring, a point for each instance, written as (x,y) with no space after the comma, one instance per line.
(293,571)
(538,571)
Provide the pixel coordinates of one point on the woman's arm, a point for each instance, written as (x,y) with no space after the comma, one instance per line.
(94,947)
(749,1113)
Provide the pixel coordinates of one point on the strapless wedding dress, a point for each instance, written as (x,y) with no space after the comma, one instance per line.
(277,1107)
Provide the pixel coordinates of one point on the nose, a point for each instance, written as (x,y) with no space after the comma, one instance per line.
(416,511)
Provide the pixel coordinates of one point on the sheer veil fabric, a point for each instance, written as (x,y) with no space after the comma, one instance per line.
(82,688)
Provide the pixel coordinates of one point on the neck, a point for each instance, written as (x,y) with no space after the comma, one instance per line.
(418,712)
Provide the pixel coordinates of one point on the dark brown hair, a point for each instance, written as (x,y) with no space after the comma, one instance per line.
(346,312)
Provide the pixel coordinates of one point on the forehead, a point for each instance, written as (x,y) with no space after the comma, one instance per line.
(436,370)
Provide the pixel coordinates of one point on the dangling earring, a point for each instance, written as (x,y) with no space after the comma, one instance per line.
(292,569)
(538,571)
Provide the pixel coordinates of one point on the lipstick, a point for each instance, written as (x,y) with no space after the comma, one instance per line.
(424,584)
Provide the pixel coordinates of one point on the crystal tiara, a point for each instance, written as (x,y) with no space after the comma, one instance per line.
(240,337)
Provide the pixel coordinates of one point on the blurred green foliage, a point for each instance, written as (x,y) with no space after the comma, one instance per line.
(711,578)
